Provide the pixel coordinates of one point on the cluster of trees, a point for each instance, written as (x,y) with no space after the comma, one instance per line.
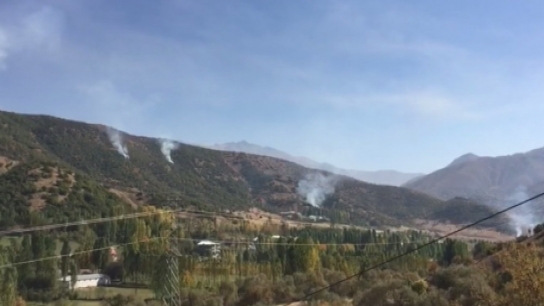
(34,263)
(70,196)
(255,267)
(247,251)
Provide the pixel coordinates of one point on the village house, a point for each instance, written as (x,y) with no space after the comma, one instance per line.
(208,248)
(85,281)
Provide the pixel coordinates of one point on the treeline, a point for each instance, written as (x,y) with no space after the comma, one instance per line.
(266,264)
(246,250)
(34,263)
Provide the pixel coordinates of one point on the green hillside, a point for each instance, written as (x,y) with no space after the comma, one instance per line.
(206,179)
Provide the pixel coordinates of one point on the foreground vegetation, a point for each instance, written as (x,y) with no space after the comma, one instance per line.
(255,268)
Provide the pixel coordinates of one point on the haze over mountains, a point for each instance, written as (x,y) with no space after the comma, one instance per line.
(495,181)
(483,177)
(381,177)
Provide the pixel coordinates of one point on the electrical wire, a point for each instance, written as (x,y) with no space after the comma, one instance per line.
(304,244)
(115,218)
(143,214)
(106,219)
(99,220)
(84,222)
(146,240)
(420,247)
(193,240)
(335,244)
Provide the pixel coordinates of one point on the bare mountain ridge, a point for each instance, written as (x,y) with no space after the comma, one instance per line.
(489,179)
(464,158)
(381,177)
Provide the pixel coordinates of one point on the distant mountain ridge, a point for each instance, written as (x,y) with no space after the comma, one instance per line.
(464,158)
(381,177)
(487,179)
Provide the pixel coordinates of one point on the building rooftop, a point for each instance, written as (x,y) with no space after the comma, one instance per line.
(84,277)
(207,242)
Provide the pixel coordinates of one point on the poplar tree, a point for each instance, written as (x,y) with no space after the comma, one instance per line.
(8,279)
(65,260)
(74,271)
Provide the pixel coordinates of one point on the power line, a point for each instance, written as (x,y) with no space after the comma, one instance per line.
(193,240)
(135,215)
(421,246)
(146,240)
(106,219)
(211,214)
(303,244)
(84,222)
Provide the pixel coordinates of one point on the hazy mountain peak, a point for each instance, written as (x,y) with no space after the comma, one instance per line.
(382,177)
(464,158)
(489,179)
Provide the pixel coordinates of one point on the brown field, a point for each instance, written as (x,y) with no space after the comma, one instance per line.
(261,218)
(469,234)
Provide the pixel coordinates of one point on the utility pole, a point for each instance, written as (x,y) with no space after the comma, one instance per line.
(172,284)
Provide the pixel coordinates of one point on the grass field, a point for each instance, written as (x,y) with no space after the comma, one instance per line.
(96,293)
(100,292)
(70,303)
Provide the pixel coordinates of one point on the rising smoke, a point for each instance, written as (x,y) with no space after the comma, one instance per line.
(117,141)
(315,187)
(166,148)
(525,217)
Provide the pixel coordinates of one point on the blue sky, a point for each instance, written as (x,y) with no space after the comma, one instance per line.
(405,85)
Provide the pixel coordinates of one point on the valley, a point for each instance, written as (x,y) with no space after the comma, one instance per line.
(271,153)
(242,222)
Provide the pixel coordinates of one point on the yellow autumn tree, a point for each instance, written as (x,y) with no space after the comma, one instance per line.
(187,280)
(307,256)
(521,275)
(20,302)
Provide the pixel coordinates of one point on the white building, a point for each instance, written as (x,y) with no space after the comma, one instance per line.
(86,281)
(209,248)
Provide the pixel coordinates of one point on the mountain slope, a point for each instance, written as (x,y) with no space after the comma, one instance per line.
(201,178)
(489,179)
(495,181)
(463,159)
(382,177)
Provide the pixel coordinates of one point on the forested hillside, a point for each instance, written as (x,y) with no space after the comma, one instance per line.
(87,169)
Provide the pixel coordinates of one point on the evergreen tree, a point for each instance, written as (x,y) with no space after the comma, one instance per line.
(74,271)
(65,259)
(8,280)
(26,271)
(38,250)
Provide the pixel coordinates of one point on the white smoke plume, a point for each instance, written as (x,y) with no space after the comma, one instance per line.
(315,187)
(117,141)
(525,217)
(166,148)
